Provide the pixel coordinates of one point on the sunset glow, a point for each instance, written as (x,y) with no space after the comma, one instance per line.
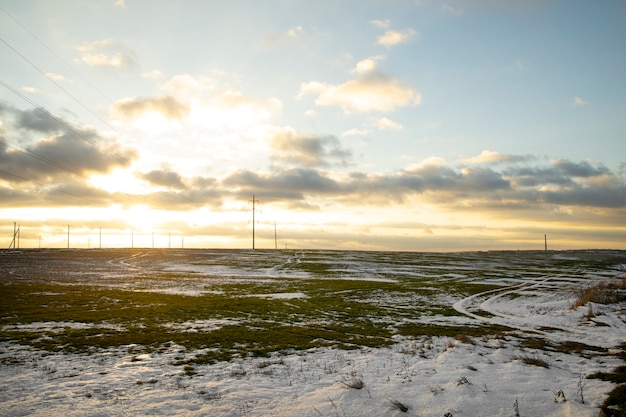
(387,125)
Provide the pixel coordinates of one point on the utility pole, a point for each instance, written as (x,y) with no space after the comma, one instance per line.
(14,236)
(254,201)
(68,236)
(545,242)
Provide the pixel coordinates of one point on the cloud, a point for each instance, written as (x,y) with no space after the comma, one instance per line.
(163,178)
(153,75)
(37,120)
(54,77)
(355,132)
(578,101)
(32,90)
(107,54)
(450,9)
(213,103)
(59,155)
(368,65)
(295,32)
(290,35)
(387,124)
(491,157)
(119,3)
(370,91)
(306,150)
(383,24)
(394,37)
(65,148)
(168,106)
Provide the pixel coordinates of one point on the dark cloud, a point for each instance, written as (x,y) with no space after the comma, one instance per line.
(38,120)
(67,150)
(67,153)
(308,150)
(582,169)
(165,178)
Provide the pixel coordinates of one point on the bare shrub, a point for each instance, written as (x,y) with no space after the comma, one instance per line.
(398,405)
(606,292)
(355,383)
(463,381)
(535,361)
(464,338)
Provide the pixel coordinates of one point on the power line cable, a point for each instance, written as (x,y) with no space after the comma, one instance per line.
(100,203)
(113,155)
(55,54)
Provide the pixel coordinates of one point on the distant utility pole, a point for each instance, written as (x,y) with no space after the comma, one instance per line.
(254,201)
(12,245)
(68,236)
(545,242)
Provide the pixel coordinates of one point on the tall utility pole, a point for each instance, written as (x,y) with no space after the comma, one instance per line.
(545,242)
(12,245)
(254,201)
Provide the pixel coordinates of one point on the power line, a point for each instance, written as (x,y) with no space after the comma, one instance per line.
(55,54)
(55,189)
(60,121)
(35,155)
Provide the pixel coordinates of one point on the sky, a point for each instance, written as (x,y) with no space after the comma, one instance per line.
(414,125)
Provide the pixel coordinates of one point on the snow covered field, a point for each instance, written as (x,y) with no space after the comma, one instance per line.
(367,333)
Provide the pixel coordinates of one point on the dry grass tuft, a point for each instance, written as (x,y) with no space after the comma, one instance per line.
(606,292)
(535,361)
(355,383)
(398,405)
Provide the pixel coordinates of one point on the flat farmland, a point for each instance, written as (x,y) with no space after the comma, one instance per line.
(307,332)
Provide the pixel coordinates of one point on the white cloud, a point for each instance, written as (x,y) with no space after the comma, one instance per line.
(153,75)
(355,132)
(119,3)
(295,32)
(31,90)
(394,37)
(387,124)
(54,77)
(449,9)
(492,157)
(383,24)
(578,101)
(106,53)
(370,91)
(367,65)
